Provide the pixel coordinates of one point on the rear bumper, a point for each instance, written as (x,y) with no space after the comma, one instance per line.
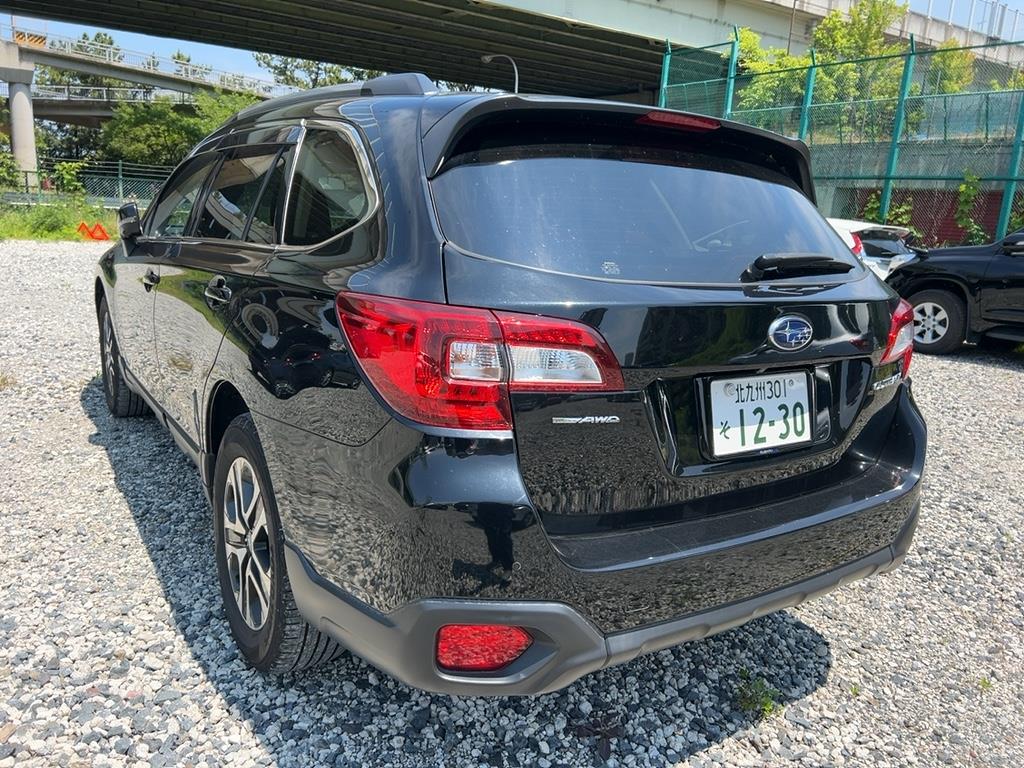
(566,647)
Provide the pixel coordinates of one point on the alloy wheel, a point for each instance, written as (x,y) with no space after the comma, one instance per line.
(247,543)
(930,322)
(108,353)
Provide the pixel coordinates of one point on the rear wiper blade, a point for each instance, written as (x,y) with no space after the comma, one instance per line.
(769,265)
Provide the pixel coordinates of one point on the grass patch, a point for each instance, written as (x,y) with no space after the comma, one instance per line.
(756,697)
(57,221)
(985,684)
(6,381)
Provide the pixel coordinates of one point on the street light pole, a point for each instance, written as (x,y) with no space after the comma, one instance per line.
(488,58)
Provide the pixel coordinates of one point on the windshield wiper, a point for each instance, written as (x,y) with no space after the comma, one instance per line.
(772,265)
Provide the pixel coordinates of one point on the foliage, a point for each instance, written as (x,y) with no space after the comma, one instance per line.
(213,108)
(162,132)
(57,221)
(950,69)
(306,73)
(65,177)
(1015,82)
(967,196)
(900,214)
(778,78)
(10,174)
(756,697)
(159,132)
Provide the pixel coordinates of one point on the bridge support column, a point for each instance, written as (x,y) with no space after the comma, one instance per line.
(18,72)
(23,133)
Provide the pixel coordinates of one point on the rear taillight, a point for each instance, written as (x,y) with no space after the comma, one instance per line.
(901,336)
(858,244)
(450,366)
(480,647)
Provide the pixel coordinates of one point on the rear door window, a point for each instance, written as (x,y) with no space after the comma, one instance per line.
(232,197)
(626,212)
(329,193)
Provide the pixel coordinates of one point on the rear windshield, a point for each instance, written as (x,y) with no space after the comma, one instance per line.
(628,213)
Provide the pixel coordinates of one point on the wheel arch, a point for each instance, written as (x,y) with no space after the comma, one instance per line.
(950,285)
(225,404)
(99,294)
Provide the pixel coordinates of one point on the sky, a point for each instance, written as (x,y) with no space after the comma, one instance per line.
(218,57)
(227,59)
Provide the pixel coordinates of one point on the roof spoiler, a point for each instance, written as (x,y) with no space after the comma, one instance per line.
(403,84)
(789,156)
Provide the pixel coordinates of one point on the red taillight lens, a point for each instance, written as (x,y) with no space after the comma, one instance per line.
(549,353)
(480,647)
(404,348)
(450,366)
(858,244)
(901,336)
(677,120)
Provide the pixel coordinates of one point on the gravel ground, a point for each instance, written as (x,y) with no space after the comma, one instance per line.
(114,649)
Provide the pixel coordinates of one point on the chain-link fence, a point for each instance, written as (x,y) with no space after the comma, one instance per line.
(105,183)
(927,138)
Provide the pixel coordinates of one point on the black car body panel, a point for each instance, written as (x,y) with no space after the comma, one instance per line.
(609,531)
(989,278)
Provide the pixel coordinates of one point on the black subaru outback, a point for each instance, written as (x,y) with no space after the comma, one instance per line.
(497,390)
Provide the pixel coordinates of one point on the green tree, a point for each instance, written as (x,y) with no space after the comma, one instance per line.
(157,133)
(162,132)
(950,69)
(213,108)
(967,196)
(302,73)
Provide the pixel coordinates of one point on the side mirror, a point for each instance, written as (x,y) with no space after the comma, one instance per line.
(1014,244)
(128,222)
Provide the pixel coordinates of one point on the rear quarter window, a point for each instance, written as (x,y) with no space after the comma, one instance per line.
(627,212)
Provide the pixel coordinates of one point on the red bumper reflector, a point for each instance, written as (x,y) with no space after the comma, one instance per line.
(480,647)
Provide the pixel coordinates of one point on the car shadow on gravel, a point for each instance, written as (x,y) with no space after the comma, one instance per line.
(660,708)
(989,355)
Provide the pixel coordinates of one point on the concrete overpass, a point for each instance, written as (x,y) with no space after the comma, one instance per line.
(24,50)
(90,106)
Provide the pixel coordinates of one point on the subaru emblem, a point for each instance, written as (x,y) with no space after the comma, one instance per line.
(790,333)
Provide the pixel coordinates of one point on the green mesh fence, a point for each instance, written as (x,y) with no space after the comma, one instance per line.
(892,138)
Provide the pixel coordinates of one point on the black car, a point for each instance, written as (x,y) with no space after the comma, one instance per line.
(497,390)
(965,293)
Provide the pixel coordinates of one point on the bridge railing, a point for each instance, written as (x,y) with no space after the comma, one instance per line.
(149,62)
(142,94)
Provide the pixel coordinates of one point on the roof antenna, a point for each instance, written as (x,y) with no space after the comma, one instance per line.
(489,57)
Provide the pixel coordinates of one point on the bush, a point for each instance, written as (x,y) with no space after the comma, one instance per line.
(57,221)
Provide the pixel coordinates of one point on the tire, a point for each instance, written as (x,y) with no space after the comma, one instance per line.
(939,322)
(121,400)
(265,622)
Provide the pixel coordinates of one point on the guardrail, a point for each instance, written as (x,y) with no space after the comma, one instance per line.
(146,62)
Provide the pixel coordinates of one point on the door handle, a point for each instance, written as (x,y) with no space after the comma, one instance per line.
(150,279)
(217,290)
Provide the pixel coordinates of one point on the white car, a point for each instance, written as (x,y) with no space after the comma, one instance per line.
(883,248)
